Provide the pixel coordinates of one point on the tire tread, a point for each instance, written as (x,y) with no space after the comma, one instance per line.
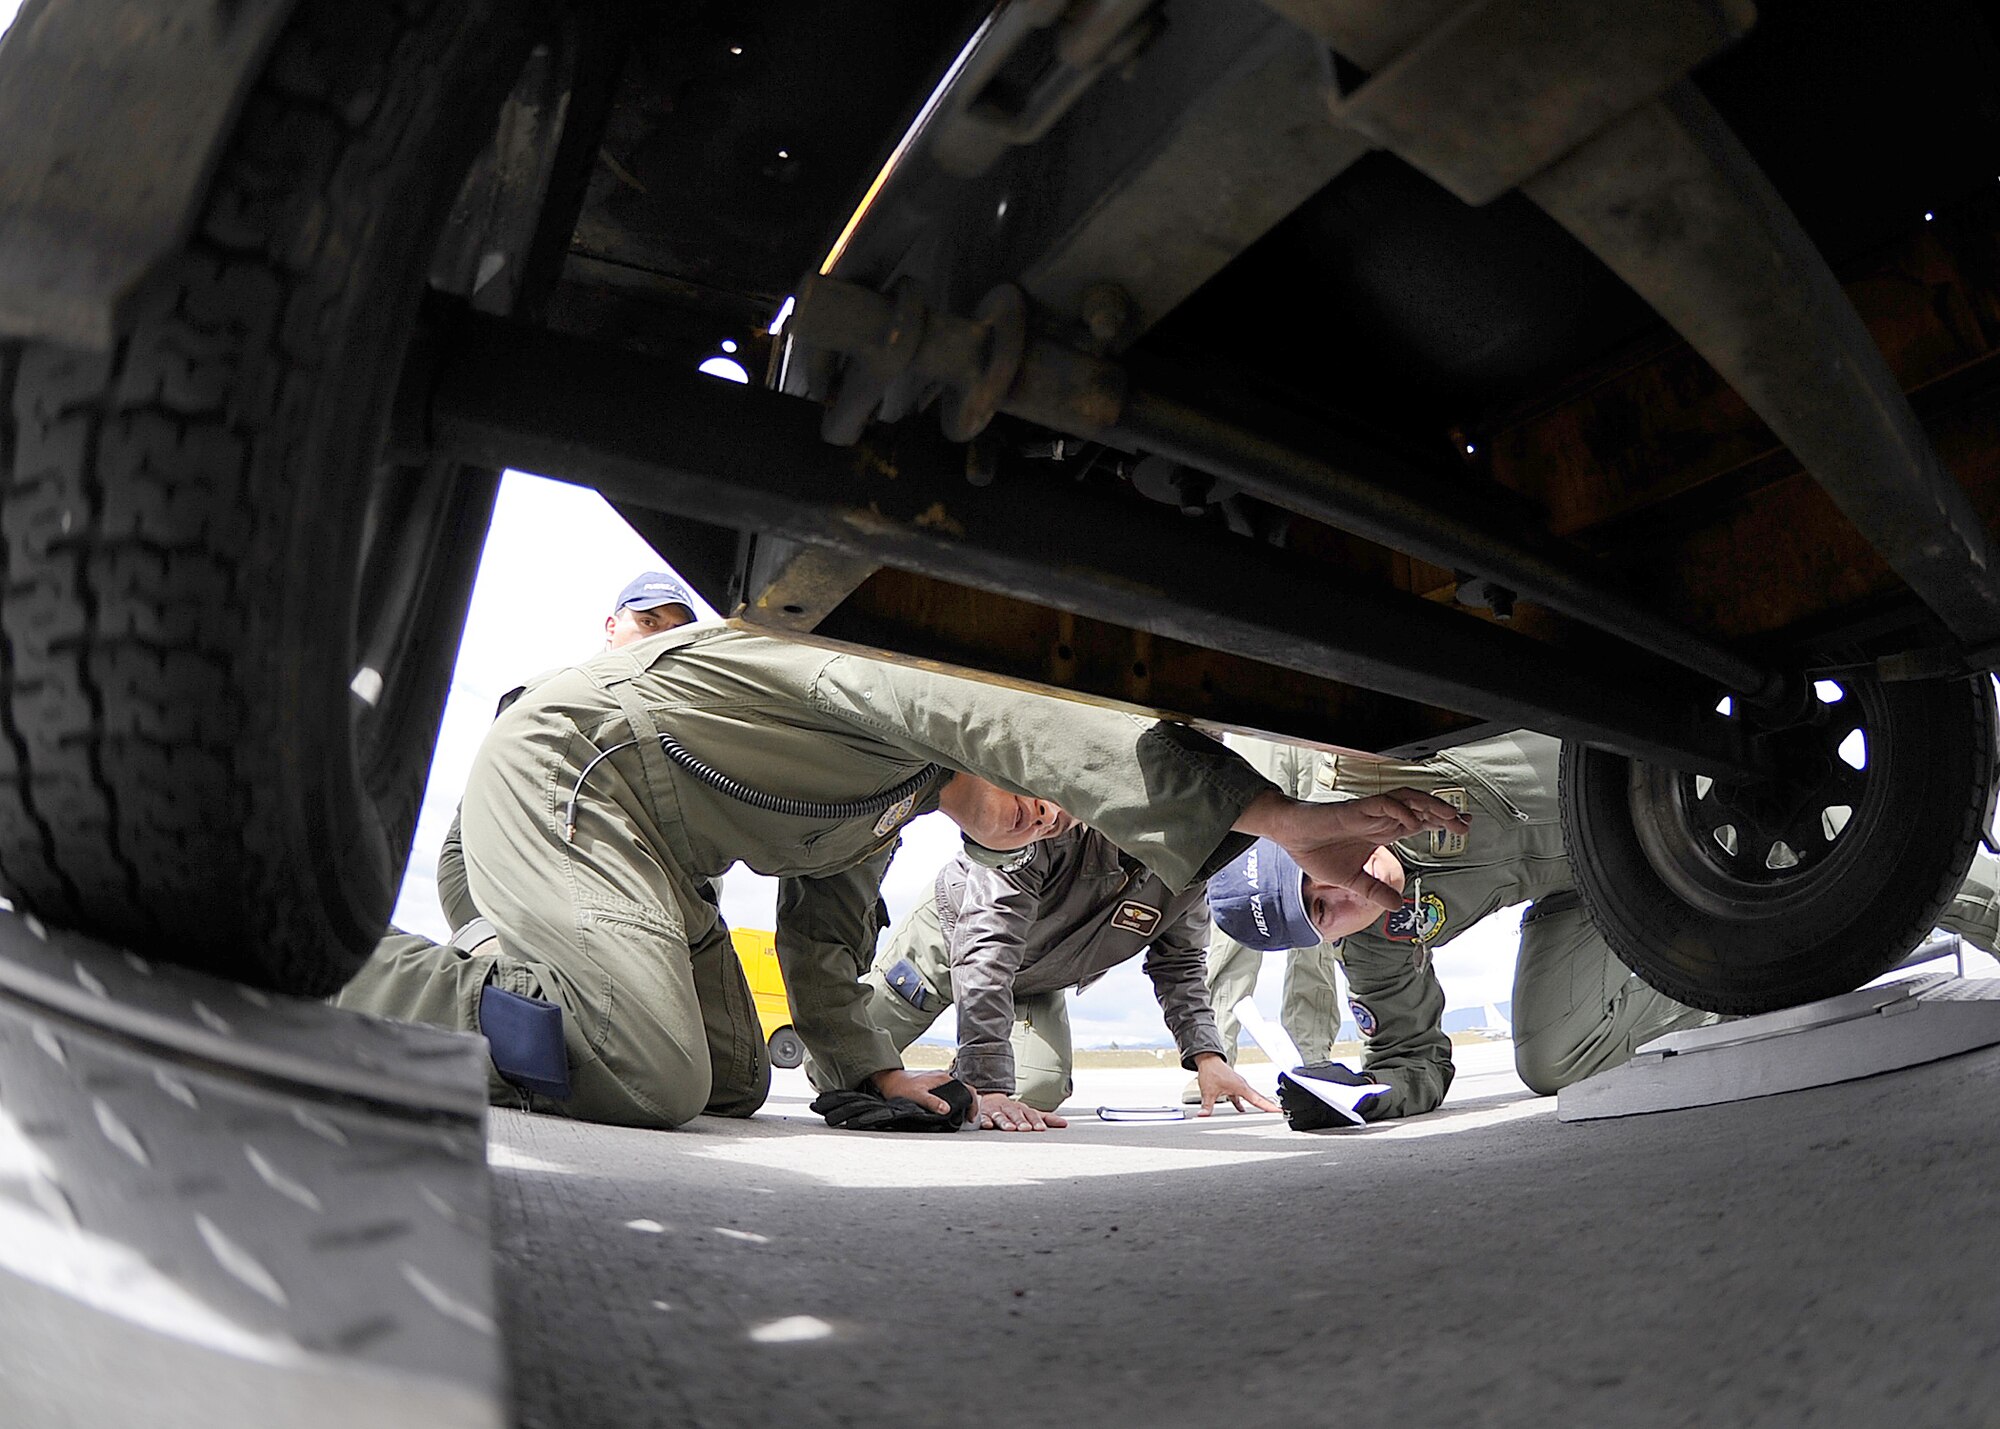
(138,534)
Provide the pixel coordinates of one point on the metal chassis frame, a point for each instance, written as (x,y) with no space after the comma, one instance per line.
(743,457)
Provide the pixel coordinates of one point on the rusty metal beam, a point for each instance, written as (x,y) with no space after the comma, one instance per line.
(1651,460)
(735,456)
(1342,480)
(1765,550)
(895,615)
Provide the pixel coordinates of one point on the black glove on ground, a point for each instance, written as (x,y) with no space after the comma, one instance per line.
(868,1110)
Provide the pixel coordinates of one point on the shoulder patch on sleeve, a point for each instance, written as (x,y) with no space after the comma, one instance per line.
(1364,1020)
(1136,917)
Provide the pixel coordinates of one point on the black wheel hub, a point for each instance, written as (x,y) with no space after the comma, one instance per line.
(1773,831)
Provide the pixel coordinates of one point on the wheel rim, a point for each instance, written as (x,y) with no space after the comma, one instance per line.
(1752,850)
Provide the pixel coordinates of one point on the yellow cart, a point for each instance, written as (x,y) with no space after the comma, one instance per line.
(758,951)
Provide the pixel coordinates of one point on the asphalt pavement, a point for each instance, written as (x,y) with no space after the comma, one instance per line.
(1825,1257)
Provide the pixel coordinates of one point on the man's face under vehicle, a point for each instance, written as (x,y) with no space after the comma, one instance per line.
(1336,912)
(624,625)
(989,815)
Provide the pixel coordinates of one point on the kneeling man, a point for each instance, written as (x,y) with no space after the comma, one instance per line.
(1006,935)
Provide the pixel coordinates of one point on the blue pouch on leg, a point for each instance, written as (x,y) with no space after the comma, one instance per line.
(524,1037)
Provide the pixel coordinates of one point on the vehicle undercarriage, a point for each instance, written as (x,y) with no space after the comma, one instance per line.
(1368,374)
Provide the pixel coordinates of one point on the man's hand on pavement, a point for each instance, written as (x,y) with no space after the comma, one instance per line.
(1221,1082)
(1000,1112)
(896,1082)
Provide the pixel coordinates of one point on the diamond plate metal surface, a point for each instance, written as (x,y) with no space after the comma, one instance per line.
(283,1222)
(289,1039)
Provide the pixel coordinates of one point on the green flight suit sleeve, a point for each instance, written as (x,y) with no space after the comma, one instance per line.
(1407,1051)
(825,942)
(1163,793)
(988,943)
(1177,962)
(454,892)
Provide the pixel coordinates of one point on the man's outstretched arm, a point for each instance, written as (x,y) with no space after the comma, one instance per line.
(989,942)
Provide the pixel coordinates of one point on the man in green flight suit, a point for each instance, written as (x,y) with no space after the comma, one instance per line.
(605,798)
(1004,937)
(1576,1009)
(651,603)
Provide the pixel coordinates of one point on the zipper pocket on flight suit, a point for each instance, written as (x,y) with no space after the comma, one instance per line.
(619,917)
(1473,776)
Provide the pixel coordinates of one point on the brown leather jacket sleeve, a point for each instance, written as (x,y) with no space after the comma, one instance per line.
(988,944)
(1177,962)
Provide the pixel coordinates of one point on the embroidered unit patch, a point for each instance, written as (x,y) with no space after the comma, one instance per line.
(1408,922)
(1364,1020)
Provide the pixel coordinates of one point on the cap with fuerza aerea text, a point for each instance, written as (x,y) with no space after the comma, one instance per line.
(1260,900)
(653,588)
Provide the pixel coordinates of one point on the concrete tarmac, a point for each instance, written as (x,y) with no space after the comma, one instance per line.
(1826,1257)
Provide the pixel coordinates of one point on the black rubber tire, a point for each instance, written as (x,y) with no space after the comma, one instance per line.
(787,1050)
(1873,895)
(196,532)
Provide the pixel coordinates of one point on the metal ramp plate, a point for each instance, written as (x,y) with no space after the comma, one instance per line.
(223,1208)
(1858,1034)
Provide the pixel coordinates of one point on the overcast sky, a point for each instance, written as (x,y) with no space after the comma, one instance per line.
(555,560)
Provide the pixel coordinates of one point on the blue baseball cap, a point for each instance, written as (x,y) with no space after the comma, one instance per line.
(1260,900)
(653,588)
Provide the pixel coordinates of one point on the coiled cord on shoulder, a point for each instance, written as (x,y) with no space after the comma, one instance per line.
(829,810)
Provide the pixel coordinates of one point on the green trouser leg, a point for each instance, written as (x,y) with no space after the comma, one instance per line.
(1232,976)
(1310,1012)
(1042,1054)
(1577,1009)
(1041,1037)
(919,939)
(413,979)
